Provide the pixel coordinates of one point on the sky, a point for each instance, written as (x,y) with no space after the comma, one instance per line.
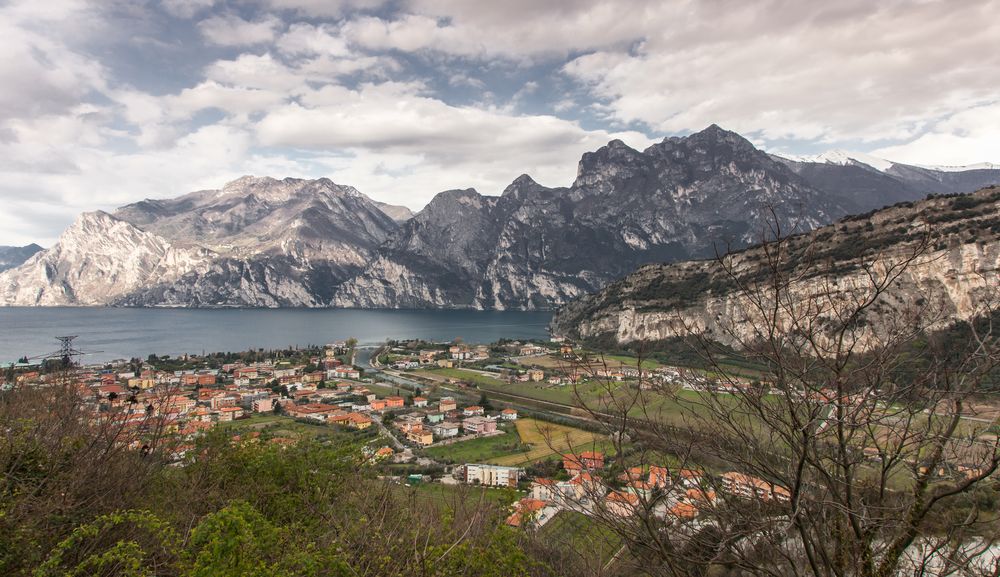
(107,102)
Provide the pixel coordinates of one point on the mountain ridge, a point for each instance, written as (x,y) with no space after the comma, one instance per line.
(958,238)
(262,241)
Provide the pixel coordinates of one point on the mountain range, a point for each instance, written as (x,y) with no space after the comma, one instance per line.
(14,256)
(264,242)
(951,245)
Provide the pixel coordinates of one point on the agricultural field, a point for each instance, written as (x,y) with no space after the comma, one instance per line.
(595,362)
(524,442)
(548,440)
(468,376)
(479,450)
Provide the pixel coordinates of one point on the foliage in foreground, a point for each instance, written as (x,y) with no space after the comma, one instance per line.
(75,500)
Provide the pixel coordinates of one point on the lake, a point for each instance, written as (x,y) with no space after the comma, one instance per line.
(133,332)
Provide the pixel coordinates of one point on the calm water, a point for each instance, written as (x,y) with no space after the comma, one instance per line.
(125,333)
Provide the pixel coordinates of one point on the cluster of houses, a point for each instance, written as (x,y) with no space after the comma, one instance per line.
(403,359)
(427,424)
(679,495)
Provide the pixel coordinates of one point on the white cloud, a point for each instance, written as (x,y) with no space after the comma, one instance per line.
(322,8)
(187,8)
(852,71)
(41,75)
(311,40)
(80,128)
(967,137)
(231,30)
(418,137)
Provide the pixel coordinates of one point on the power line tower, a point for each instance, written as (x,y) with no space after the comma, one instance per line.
(66,350)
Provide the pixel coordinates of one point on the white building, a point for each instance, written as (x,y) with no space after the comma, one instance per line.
(491,475)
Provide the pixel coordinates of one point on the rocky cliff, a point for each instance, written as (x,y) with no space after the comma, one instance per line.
(257,242)
(951,247)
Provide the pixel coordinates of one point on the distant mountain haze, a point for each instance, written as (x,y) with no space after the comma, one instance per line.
(264,242)
(14,256)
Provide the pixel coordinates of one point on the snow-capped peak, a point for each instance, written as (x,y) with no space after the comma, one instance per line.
(845,158)
(977,166)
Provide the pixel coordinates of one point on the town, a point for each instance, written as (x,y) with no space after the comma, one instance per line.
(494,416)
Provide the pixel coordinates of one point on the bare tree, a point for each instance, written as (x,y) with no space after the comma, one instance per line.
(829,432)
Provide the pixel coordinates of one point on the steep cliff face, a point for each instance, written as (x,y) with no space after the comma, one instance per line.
(257,242)
(97,260)
(956,241)
(536,247)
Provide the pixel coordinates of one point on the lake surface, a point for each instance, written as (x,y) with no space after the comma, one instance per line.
(131,332)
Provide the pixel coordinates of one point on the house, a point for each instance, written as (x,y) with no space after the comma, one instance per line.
(315,411)
(435,417)
(445,430)
(344,372)
(544,489)
(229,413)
(684,511)
(419,401)
(420,437)
(528,350)
(394,402)
(528,511)
(586,461)
(379,405)
(658,476)
(690,477)
(427,357)
(445,363)
(508,414)
(447,404)
(536,375)
(219,402)
(490,475)
(263,405)
(479,425)
(285,373)
(621,504)
(246,373)
(410,418)
(750,487)
(358,421)
(473,410)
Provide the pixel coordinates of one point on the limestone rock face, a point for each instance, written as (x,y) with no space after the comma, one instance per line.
(954,276)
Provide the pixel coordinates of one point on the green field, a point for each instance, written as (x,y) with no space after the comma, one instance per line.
(468,376)
(455,497)
(479,450)
(581,534)
(530,441)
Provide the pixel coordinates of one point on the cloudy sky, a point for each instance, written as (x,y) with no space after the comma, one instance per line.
(106,102)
